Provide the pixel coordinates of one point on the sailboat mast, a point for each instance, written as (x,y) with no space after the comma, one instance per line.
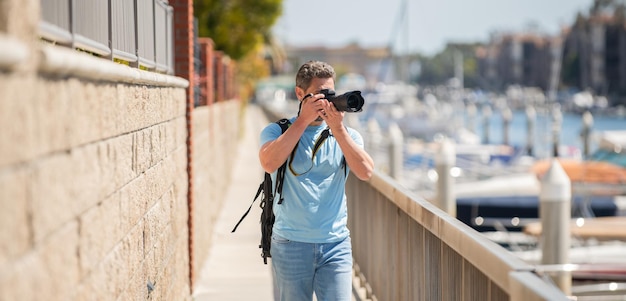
(401,69)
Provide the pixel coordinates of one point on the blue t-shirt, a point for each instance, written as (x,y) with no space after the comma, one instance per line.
(314,207)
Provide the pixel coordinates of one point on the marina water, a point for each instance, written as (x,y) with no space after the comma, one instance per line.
(570,130)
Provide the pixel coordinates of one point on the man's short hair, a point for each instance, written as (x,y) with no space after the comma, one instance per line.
(313,69)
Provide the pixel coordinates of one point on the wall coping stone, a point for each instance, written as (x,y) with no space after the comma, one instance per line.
(64,61)
(12,52)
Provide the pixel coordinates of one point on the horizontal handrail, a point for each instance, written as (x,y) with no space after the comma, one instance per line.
(402,240)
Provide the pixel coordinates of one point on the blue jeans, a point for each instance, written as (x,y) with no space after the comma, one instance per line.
(303,268)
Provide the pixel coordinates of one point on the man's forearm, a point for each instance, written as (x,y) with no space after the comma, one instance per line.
(359,161)
(274,153)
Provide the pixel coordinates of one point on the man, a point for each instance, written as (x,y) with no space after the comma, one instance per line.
(311,248)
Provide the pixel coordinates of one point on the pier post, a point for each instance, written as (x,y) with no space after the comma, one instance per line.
(445,160)
(530,129)
(555,214)
(396,156)
(586,133)
(486,117)
(507,116)
(471,117)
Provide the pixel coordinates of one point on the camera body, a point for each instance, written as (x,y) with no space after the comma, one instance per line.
(351,101)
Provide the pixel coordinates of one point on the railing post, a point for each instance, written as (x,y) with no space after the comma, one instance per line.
(396,156)
(554,211)
(445,160)
(145,34)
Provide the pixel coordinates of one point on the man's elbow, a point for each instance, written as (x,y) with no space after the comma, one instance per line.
(365,175)
(267,166)
(266,160)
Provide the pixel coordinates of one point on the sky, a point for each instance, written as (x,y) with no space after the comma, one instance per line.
(431,23)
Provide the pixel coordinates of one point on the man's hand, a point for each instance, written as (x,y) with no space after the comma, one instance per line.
(312,107)
(330,114)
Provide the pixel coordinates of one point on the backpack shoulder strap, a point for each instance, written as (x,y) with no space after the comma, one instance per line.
(280,175)
(258,192)
(284,124)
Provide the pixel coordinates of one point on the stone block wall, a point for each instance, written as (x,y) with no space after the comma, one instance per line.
(93,189)
(216,133)
(93,173)
(110,180)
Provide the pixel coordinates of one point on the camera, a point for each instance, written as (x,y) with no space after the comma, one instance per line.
(351,101)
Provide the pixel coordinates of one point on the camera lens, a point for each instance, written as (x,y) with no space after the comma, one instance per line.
(353,101)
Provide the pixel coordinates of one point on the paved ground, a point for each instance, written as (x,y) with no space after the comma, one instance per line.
(235,269)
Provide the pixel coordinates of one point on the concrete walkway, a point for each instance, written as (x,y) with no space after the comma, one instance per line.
(234,269)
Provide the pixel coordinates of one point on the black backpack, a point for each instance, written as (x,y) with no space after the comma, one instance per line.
(267,202)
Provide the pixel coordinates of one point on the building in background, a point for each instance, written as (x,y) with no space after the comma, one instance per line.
(586,56)
(352,58)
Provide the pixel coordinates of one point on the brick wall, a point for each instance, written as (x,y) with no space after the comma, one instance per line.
(207,81)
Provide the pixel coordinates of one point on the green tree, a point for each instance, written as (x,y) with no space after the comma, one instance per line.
(241,29)
(237,27)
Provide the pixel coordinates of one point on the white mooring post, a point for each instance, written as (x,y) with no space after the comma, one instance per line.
(555,214)
(486,117)
(374,139)
(586,133)
(445,160)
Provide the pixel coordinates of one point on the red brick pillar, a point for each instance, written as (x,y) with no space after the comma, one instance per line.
(183,62)
(230,80)
(219,76)
(234,82)
(207,78)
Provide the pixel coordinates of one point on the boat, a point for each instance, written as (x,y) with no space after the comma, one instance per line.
(512,201)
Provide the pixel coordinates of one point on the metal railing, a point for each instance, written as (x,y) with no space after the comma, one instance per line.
(136,32)
(123,40)
(407,249)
